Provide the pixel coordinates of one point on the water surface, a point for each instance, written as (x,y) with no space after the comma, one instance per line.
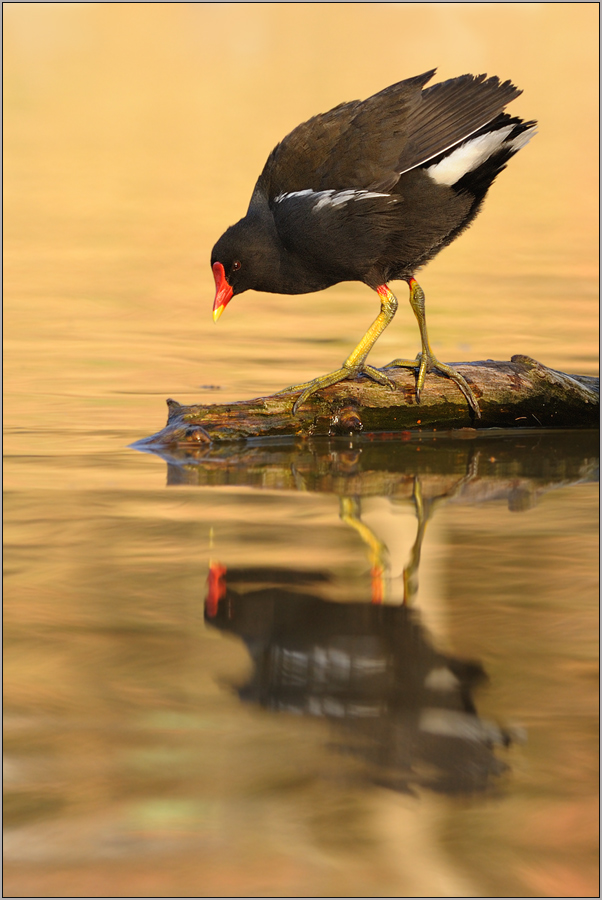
(328,669)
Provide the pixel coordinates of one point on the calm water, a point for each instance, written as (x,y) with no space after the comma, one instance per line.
(328,669)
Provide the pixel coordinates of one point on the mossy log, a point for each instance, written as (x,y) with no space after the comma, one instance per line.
(516,394)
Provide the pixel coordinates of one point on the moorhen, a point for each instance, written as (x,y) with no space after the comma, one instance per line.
(370,191)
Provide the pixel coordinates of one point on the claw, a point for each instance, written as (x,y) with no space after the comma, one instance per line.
(322,381)
(378,376)
(428,363)
(342,374)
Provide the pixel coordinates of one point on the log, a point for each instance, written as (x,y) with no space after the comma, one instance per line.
(516,394)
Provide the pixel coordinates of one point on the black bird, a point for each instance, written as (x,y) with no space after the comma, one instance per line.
(370,191)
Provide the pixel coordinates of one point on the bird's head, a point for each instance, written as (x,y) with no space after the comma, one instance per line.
(228,265)
(240,261)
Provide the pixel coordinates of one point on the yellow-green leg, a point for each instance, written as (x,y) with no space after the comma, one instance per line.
(426,361)
(355,362)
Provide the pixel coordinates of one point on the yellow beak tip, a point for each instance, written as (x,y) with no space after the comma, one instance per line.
(217,312)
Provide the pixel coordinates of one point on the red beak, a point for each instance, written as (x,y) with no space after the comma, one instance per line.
(223,291)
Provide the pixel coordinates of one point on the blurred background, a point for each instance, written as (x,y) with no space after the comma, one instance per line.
(134,134)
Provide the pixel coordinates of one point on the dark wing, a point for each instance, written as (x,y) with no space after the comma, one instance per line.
(296,162)
(368,145)
(346,147)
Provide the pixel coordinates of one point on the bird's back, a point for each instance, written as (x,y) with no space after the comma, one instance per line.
(369,144)
(373,189)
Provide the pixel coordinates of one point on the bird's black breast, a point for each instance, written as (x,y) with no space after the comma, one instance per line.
(340,234)
(370,236)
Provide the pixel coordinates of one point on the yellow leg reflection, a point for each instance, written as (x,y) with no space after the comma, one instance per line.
(350,513)
(377,550)
(410,571)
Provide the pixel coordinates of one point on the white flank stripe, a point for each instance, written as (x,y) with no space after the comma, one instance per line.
(322,198)
(471,154)
(285,196)
(331,197)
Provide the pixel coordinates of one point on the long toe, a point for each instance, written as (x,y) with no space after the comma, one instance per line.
(378,376)
(430,364)
(322,381)
(404,363)
(342,374)
(436,366)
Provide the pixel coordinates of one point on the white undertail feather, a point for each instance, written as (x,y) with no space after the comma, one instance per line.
(473,153)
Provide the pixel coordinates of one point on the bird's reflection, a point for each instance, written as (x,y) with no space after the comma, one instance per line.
(397,703)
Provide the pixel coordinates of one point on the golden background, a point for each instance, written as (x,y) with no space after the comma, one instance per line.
(133,136)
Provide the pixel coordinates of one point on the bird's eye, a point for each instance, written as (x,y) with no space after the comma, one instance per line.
(235,265)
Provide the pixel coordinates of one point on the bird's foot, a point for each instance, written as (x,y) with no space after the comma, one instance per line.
(427,363)
(342,374)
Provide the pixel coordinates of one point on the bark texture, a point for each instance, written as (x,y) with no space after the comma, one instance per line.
(516,394)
